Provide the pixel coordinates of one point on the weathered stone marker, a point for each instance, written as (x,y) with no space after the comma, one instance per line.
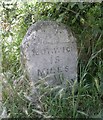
(49,50)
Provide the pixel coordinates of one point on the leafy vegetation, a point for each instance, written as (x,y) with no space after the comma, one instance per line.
(85,98)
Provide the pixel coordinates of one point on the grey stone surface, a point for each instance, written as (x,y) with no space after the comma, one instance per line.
(49,51)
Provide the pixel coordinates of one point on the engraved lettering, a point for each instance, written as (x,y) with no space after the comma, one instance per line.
(51,51)
(48,72)
(51,71)
(59,77)
(51,59)
(57,59)
(66,69)
(63,49)
(56,50)
(59,69)
(40,73)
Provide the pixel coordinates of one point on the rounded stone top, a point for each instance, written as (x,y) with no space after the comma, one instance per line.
(49,49)
(44,25)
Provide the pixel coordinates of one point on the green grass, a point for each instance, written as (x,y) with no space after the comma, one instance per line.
(84,99)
